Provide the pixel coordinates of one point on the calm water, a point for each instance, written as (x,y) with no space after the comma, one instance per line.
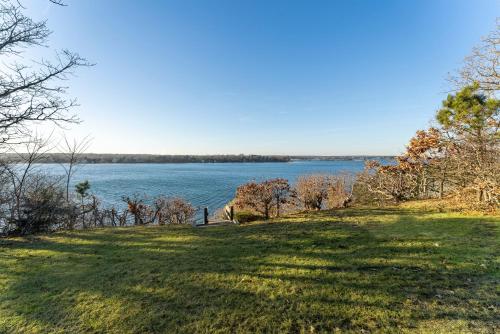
(204,185)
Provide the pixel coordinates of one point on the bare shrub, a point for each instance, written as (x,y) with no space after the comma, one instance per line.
(340,191)
(42,207)
(387,183)
(123,218)
(312,190)
(280,190)
(173,211)
(254,196)
(138,209)
(265,198)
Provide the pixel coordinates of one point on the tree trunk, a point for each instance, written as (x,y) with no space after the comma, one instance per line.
(441,188)
(83,213)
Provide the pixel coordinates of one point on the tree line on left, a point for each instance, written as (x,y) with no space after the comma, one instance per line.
(33,202)
(33,93)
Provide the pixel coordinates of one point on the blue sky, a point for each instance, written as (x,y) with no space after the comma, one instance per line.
(262,77)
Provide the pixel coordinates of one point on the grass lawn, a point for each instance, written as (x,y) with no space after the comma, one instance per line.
(356,270)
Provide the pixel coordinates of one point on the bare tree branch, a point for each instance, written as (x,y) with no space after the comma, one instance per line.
(31,92)
(72,152)
(482,66)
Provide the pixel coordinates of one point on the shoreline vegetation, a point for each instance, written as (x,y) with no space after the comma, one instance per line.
(106,158)
(407,245)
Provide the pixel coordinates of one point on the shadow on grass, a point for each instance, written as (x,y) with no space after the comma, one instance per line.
(288,277)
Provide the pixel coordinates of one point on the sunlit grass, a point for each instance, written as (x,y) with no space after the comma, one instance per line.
(362,269)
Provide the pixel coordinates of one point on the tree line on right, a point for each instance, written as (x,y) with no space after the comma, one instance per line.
(457,159)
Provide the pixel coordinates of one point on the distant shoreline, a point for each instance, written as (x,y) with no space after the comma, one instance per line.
(97,158)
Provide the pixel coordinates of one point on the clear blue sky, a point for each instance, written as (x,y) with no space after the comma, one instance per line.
(262,77)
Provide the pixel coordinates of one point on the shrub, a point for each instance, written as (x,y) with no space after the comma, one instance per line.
(173,211)
(392,183)
(265,198)
(42,207)
(247,216)
(312,190)
(138,209)
(340,191)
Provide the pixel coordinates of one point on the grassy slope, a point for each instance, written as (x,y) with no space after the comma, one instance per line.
(390,270)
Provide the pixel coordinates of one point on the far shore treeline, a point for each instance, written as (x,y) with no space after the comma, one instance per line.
(97,158)
(455,161)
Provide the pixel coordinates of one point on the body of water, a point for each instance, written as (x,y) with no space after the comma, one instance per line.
(209,185)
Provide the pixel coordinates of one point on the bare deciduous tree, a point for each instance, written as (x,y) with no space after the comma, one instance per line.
(281,190)
(138,209)
(312,190)
(388,182)
(340,191)
(265,197)
(72,152)
(255,196)
(483,65)
(30,152)
(30,92)
(172,211)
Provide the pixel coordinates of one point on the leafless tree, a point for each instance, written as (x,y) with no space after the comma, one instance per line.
(123,218)
(137,207)
(31,92)
(43,207)
(255,196)
(172,211)
(30,152)
(58,2)
(32,201)
(340,191)
(281,191)
(483,65)
(312,190)
(392,183)
(72,152)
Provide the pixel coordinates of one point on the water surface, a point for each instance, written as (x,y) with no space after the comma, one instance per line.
(209,185)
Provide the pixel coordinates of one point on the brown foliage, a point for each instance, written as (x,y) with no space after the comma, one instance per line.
(438,163)
(312,190)
(265,198)
(386,182)
(138,209)
(172,211)
(340,191)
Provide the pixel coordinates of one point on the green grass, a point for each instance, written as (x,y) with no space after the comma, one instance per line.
(356,270)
